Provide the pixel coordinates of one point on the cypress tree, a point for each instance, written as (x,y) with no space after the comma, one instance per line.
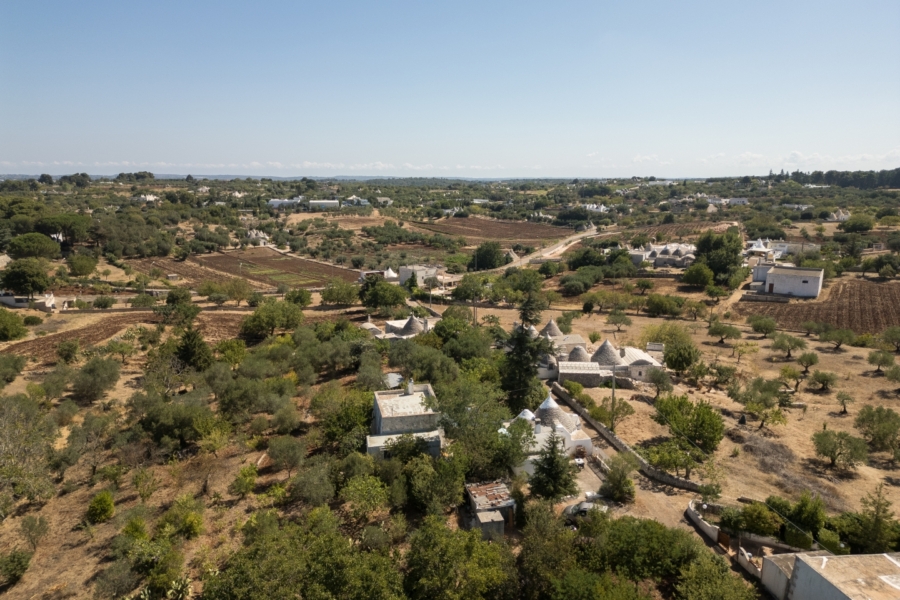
(194,351)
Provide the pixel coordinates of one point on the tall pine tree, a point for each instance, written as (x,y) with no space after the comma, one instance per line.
(194,351)
(554,473)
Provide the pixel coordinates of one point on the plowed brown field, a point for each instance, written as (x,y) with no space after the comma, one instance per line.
(190,272)
(43,349)
(860,305)
(270,268)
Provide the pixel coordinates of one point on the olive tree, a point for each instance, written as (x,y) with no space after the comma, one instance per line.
(881,359)
(841,448)
(807,360)
(787,344)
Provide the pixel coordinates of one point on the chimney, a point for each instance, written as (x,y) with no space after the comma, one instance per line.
(537,426)
(622,351)
(409,387)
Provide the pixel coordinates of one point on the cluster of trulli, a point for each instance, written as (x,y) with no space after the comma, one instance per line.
(402,329)
(571,360)
(562,343)
(668,255)
(547,419)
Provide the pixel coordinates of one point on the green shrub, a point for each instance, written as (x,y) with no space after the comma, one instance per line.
(143,301)
(14,565)
(67,350)
(374,538)
(831,541)
(96,377)
(11,326)
(136,529)
(244,482)
(65,412)
(796,538)
(102,508)
(31,321)
(104,302)
(185,518)
(10,367)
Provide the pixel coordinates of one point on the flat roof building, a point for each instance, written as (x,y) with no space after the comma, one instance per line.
(819,576)
(794,281)
(405,411)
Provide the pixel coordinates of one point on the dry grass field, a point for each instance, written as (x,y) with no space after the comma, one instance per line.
(678,231)
(477,230)
(761,466)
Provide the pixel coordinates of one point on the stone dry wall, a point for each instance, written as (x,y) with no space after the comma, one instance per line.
(614,440)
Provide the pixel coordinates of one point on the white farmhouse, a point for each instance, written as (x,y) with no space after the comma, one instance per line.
(281,202)
(793,281)
(422,272)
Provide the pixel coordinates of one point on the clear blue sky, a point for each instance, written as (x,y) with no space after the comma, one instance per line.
(464,89)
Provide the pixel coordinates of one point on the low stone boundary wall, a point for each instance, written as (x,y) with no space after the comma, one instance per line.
(614,440)
(756,298)
(647,275)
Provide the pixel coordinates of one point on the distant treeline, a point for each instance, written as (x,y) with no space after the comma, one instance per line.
(864,180)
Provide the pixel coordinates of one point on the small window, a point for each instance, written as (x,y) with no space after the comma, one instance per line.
(805,281)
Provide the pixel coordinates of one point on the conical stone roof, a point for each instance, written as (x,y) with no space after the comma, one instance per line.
(551,329)
(532,331)
(412,327)
(526,414)
(389,274)
(549,411)
(579,354)
(607,356)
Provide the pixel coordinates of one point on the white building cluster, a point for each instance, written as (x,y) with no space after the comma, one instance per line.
(402,329)
(667,255)
(549,418)
(571,361)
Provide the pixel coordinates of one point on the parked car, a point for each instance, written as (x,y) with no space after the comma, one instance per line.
(579,511)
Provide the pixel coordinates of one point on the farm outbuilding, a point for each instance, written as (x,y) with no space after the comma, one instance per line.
(794,281)
(492,506)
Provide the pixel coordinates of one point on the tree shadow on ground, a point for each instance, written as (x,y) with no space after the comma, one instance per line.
(821,468)
(649,485)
